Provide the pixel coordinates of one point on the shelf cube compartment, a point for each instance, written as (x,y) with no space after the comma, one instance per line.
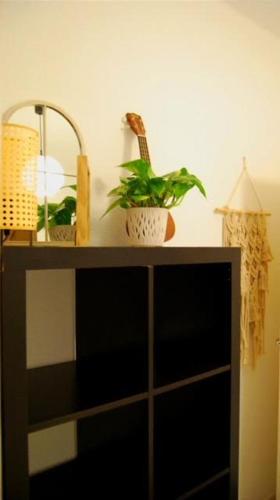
(112,332)
(112,450)
(192,436)
(192,320)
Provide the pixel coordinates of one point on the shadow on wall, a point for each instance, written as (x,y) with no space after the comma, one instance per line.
(264,14)
(110,231)
(269,194)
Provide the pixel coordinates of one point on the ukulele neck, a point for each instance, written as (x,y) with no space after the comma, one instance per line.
(143,147)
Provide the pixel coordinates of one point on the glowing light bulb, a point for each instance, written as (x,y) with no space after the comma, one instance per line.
(50,176)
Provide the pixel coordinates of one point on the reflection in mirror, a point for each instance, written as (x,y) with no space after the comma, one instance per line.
(61,179)
(56,170)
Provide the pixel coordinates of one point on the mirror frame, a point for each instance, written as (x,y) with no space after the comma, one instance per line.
(83,177)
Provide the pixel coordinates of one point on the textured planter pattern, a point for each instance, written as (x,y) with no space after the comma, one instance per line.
(146,226)
(62,233)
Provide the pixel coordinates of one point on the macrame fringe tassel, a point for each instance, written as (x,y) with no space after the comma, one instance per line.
(248,231)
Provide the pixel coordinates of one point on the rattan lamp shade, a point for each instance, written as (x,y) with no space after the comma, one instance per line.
(20,151)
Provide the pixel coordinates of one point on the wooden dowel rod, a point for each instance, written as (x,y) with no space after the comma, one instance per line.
(226,210)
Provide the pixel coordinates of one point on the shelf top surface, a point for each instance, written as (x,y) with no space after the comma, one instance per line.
(28,258)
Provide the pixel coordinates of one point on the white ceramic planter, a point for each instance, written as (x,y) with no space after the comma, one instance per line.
(146,226)
(62,233)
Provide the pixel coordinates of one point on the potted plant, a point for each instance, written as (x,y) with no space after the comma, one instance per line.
(61,218)
(148,197)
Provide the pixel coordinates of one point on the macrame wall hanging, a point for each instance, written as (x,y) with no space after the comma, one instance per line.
(247,229)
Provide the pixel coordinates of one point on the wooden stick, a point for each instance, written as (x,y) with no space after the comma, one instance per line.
(226,210)
(83,216)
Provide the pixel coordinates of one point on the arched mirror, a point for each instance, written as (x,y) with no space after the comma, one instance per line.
(44,171)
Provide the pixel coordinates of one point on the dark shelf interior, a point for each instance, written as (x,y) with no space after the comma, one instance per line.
(112,460)
(58,392)
(218,490)
(112,348)
(192,320)
(112,328)
(192,435)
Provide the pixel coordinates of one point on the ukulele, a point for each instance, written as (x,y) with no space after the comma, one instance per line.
(136,124)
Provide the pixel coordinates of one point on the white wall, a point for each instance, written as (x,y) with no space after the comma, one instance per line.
(206,81)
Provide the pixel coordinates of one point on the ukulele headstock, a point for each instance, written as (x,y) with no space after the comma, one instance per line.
(136,124)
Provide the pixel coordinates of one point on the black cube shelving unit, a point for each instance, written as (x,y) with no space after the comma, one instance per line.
(154,388)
